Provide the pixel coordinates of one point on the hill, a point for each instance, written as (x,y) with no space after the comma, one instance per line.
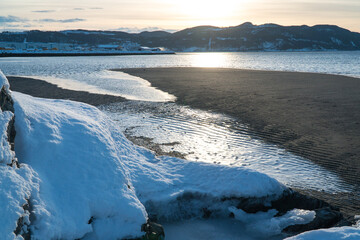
(244,37)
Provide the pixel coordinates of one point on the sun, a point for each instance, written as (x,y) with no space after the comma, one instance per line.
(208,9)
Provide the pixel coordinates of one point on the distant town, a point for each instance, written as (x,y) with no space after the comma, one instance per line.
(53,48)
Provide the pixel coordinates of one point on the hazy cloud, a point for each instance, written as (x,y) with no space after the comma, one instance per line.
(78,9)
(96,8)
(138,30)
(43,11)
(12,30)
(12,19)
(71,20)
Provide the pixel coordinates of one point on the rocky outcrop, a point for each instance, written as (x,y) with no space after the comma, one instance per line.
(7,105)
(153,231)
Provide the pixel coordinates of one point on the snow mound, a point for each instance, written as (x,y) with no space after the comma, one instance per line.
(338,233)
(174,189)
(84,186)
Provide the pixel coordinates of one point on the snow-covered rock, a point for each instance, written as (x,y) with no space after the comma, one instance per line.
(82,176)
(16,184)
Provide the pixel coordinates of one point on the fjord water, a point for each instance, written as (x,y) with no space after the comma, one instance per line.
(90,73)
(198,135)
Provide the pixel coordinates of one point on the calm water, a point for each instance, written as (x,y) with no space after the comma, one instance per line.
(199,135)
(90,73)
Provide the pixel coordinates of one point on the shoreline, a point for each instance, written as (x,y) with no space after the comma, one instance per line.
(69,54)
(43,89)
(313,115)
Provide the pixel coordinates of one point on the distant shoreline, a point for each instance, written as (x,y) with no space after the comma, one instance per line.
(77,54)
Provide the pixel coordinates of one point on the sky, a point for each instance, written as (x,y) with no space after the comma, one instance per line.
(172,15)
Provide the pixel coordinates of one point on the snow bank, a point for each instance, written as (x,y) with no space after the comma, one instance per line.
(173,189)
(94,181)
(338,233)
(84,186)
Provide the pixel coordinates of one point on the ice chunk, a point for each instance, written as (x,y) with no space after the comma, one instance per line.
(268,224)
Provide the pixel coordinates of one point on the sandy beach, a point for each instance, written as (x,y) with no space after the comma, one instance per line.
(316,116)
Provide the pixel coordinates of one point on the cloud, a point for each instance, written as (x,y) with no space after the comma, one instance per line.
(78,9)
(12,30)
(43,11)
(71,20)
(138,30)
(12,19)
(96,8)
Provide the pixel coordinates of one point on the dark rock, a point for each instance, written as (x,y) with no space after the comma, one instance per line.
(11,133)
(22,227)
(6,102)
(153,231)
(292,199)
(252,204)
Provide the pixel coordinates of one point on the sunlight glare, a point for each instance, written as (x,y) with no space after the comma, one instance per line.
(209,60)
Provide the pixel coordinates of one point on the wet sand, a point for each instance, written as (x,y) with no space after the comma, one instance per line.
(316,116)
(39,88)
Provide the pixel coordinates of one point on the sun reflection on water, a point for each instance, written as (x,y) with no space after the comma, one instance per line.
(210,60)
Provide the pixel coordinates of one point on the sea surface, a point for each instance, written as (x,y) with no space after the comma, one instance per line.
(196,135)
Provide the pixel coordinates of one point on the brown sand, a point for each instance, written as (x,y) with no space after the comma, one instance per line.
(316,116)
(39,88)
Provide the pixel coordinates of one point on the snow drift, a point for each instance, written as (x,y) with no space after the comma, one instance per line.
(337,233)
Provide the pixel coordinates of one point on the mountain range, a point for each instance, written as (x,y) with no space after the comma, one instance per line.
(244,37)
